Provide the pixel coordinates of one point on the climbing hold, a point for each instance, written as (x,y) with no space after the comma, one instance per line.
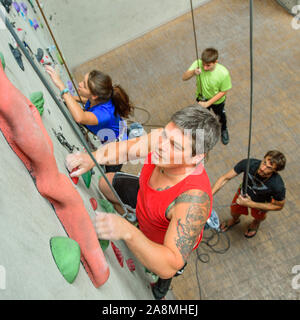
(17,55)
(94,203)
(70,87)
(130,265)
(6,4)
(74,179)
(104,244)
(2,60)
(32,6)
(59,58)
(46,61)
(87,178)
(66,253)
(118,254)
(40,54)
(31,22)
(23,8)
(35,24)
(37,98)
(16,6)
(106,206)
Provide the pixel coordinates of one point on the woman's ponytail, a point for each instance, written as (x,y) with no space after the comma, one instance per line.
(121,101)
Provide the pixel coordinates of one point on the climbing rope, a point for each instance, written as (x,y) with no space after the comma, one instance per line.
(195,34)
(59,51)
(204,258)
(71,122)
(82,128)
(245,186)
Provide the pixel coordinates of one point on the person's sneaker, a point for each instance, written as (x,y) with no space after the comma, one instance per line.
(225,137)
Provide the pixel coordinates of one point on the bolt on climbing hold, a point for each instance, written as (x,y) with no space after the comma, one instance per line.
(87,178)
(107,207)
(2,60)
(104,244)
(74,179)
(66,254)
(94,203)
(118,254)
(59,58)
(17,55)
(130,265)
(37,98)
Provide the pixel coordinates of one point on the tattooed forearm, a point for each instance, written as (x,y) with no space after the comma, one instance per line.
(189,228)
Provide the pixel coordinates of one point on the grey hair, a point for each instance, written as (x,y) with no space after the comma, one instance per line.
(197,119)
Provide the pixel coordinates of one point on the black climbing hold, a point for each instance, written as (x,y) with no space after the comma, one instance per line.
(40,54)
(18,56)
(6,4)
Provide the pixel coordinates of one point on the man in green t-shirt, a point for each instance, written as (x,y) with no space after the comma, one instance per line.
(213,82)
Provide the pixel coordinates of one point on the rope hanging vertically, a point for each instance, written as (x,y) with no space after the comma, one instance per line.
(195,34)
(59,51)
(245,185)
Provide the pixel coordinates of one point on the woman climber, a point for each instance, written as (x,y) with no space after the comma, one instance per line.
(105,106)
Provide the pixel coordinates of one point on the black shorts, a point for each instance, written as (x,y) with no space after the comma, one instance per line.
(127,187)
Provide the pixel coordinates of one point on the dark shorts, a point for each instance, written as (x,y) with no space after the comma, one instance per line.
(127,187)
(115,168)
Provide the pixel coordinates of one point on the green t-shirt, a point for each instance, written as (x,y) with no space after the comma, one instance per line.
(212,82)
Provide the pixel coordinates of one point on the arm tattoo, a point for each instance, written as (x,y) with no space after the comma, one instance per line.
(188,229)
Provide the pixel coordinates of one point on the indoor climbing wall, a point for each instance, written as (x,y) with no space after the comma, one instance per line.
(41,207)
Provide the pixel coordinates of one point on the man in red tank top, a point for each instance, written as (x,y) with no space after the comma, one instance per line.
(172,197)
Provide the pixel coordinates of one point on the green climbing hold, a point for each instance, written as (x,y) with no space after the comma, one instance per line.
(2,60)
(87,178)
(59,58)
(66,253)
(104,244)
(109,208)
(37,99)
(106,206)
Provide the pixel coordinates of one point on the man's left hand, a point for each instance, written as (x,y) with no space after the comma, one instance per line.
(111,226)
(203,104)
(244,200)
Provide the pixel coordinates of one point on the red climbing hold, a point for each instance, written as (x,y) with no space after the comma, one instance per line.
(74,179)
(94,203)
(118,254)
(130,265)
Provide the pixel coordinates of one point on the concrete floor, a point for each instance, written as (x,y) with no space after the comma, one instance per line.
(150,68)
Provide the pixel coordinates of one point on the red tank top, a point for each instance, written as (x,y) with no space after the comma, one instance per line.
(152,205)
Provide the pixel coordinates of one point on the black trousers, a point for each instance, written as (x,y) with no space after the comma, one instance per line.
(219,111)
(162,286)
